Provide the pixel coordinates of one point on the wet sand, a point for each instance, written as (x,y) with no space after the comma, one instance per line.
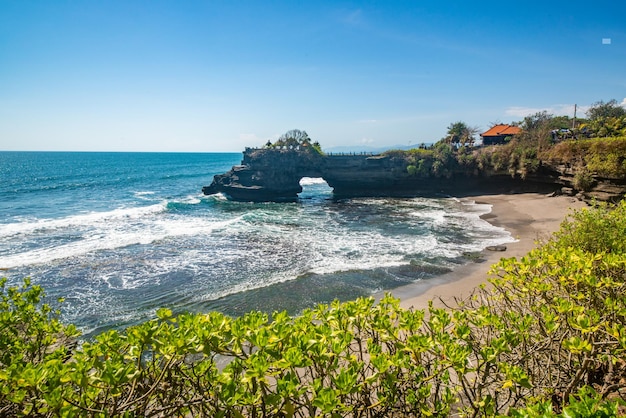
(529,217)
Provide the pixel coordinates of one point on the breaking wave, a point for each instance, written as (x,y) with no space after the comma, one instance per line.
(155,244)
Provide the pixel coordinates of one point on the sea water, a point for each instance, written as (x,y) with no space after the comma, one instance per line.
(119,235)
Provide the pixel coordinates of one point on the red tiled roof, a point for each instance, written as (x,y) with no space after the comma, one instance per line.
(499,130)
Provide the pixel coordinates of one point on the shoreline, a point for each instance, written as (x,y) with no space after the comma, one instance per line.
(529,217)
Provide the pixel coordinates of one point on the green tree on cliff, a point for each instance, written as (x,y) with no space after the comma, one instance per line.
(610,109)
(606,119)
(460,134)
(294,137)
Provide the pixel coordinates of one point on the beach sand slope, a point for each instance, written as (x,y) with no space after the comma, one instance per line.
(529,217)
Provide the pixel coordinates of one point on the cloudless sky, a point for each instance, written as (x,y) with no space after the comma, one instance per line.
(200,76)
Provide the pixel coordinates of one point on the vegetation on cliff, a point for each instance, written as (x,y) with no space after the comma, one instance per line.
(295,138)
(594,147)
(605,119)
(605,157)
(548,337)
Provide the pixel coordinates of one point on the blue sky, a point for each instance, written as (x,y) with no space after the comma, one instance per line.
(222,75)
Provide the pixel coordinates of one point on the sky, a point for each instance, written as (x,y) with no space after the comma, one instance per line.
(218,76)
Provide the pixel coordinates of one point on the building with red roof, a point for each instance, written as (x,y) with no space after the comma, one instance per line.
(499,134)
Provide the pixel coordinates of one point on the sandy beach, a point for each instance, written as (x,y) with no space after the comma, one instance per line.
(529,217)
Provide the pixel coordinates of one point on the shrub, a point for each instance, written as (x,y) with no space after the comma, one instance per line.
(605,157)
(583,181)
(34,347)
(585,403)
(598,230)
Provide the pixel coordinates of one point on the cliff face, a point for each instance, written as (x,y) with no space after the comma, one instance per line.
(268,175)
(599,188)
(275,174)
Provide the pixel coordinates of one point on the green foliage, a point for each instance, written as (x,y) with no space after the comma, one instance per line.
(460,134)
(439,161)
(444,162)
(331,360)
(610,109)
(33,348)
(598,230)
(296,138)
(584,404)
(605,157)
(583,181)
(519,157)
(548,328)
(538,121)
(605,120)
(573,295)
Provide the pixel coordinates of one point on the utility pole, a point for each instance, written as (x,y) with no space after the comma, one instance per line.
(574,121)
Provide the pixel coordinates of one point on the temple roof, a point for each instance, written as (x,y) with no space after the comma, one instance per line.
(499,130)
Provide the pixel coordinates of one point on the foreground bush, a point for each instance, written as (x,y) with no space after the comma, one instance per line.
(546,337)
(554,321)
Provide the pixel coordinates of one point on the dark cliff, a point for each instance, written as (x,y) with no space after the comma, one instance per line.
(274,175)
(268,175)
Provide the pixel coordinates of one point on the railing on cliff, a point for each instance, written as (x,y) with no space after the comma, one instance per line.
(299,148)
(344,154)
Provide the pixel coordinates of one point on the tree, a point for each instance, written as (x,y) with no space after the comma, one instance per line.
(537,121)
(297,139)
(459,134)
(295,136)
(610,109)
(605,119)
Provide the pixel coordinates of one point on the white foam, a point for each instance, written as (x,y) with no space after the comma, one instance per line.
(437,216)
(189,200)
(113,230)
(78,221)
(215,253)
(309,181)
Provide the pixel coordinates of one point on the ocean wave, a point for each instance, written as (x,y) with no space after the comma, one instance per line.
(144,195)
(188,202)
(192,250)
(78,221)
(104,231)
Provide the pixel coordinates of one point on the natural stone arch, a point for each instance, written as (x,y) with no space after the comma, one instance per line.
(307,182)
(271,174)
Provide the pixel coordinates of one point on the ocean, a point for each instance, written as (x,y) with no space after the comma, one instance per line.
(119,235)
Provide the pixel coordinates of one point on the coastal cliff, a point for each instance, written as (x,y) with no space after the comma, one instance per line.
(274,174)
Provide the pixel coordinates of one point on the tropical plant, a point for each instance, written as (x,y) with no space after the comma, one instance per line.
(460,134)
(604,110)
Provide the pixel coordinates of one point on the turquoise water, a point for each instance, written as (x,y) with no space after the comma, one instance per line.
(119,235)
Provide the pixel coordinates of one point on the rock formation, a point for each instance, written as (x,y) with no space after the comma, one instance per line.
(274,174)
